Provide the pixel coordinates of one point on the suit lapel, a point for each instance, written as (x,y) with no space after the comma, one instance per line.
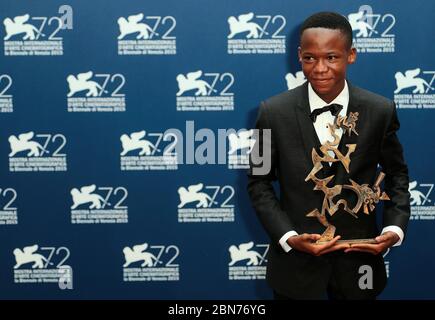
(306,127)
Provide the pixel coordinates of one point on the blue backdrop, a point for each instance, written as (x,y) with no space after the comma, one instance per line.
(91,206)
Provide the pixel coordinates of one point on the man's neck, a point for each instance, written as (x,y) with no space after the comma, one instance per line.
(329,97)
(316,101)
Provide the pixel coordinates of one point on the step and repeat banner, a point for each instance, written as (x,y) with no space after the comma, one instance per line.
(125,136)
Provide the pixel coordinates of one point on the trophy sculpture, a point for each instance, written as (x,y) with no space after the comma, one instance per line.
(367,196)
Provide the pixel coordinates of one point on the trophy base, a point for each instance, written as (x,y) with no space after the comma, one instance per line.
(350,241)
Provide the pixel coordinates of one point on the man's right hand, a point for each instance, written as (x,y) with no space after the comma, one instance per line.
(307,243)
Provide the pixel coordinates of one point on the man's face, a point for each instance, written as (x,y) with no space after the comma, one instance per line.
(324,56)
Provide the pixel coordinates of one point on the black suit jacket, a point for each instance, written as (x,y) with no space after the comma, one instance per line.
(297,274)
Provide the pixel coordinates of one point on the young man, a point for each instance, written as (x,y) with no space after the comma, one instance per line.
(298,268)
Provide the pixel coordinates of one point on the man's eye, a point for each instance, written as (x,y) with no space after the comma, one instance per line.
(308,58)
(332,57)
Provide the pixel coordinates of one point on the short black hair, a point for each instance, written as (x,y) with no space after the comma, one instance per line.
(329,20)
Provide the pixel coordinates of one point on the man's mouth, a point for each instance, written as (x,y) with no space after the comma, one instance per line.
(321,81)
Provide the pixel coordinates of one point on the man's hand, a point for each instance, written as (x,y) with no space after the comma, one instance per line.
(306,243)
(385,241)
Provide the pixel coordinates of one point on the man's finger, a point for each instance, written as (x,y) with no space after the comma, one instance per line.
(306,237)
(352,249)
(329,243)
(315,236)
(333,241)
(335,248)
(367,246)
(371,248)
(383,238)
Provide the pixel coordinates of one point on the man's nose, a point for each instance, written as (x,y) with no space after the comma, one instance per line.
(320,66)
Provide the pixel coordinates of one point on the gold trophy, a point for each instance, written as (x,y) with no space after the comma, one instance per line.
(367,196)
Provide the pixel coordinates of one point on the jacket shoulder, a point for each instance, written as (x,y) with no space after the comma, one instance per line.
(372,100)
(284,101)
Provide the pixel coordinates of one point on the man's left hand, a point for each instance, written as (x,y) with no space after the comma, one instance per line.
(385,241)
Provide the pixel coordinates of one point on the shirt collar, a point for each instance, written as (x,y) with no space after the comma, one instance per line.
(317,102)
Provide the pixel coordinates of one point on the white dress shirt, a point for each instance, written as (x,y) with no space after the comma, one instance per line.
(322,130)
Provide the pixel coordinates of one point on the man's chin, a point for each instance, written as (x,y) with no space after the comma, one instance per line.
(322,90)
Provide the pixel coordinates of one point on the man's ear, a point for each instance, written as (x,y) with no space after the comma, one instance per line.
(299,54)
(351,58)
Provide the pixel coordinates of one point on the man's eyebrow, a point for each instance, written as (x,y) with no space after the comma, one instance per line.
(321,53)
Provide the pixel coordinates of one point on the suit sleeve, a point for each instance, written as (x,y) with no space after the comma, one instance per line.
(397,210)
(275,221)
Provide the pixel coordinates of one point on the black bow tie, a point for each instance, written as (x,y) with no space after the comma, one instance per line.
(334,108)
